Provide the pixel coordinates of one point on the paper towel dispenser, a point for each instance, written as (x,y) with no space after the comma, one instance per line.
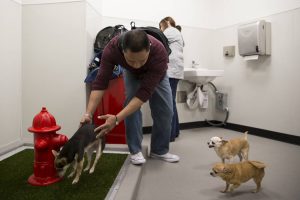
(255,38)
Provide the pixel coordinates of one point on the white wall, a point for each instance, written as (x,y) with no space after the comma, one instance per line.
(236,11)
(93,25)
(54,63)
(10,76)
(196,13)
(209,14)
(36,2)
(264,93)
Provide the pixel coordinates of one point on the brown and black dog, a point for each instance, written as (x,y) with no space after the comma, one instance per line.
(85,140)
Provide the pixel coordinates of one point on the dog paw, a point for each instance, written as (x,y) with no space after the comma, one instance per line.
(255,191)
(75,181)
(223,191)
(92,170)
(86,169)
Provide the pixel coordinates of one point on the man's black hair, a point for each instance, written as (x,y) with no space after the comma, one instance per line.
(135,41)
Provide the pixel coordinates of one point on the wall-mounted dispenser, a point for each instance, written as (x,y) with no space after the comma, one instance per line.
(255,38)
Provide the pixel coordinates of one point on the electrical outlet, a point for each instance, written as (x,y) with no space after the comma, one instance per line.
(229,51)
(221,101)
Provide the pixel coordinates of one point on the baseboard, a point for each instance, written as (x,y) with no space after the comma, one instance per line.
(283,137)
(11,146)
(182,126)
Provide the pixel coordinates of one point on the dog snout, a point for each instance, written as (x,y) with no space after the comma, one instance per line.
(211,144)
(212,174)
(60,173)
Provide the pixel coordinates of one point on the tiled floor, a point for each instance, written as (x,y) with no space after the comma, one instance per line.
(190,179)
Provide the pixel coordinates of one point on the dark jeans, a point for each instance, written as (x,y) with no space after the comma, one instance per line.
(161,111)
(175,121)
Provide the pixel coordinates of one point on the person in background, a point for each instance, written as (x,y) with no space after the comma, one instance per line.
(144,60)
(178,27)
(175,65)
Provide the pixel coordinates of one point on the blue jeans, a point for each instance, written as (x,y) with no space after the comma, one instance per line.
(161,111)
(175,120)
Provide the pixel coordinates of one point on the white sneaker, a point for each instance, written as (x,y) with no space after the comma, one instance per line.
(166,157)
(137,159)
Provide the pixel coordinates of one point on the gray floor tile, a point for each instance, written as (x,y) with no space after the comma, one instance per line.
(189,179)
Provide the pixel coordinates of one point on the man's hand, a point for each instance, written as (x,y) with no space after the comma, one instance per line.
(110,123)
(86,119)
(94,100)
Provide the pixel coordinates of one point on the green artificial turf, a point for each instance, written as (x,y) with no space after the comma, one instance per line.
(15,170)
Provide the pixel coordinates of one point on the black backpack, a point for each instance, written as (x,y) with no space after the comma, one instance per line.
(105,35)
(155,32)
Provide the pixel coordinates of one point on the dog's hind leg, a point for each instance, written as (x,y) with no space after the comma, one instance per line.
(258,180)
(258,185)
(78,171)
(98,154)
(89,154)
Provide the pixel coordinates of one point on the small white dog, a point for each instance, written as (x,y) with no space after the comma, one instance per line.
(229,149)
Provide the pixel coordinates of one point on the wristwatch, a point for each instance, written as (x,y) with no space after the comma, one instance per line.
(117,121)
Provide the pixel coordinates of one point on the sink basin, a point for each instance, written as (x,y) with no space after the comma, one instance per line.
(201,76)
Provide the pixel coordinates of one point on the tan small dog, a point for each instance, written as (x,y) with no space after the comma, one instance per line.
(229,149)
(238,173)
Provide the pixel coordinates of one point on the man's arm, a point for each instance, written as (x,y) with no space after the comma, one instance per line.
(110,120)
(132,106)
(94,100)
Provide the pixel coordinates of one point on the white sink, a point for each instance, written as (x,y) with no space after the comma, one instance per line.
(201,76)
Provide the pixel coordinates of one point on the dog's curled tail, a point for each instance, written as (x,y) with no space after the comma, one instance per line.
(246,135)
(258,164)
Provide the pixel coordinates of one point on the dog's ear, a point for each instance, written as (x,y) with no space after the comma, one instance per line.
(227,170)
(54,153)
(224,141)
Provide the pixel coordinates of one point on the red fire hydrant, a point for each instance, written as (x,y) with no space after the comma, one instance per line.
(45,140)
